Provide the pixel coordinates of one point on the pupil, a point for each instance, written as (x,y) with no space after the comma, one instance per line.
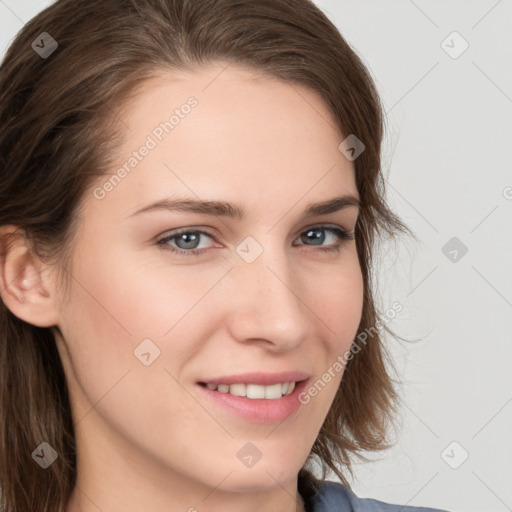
(317,239)
(183,238)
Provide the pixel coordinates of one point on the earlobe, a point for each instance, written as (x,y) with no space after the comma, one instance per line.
(25,288)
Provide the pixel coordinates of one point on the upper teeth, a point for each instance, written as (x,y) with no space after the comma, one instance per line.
(255,390)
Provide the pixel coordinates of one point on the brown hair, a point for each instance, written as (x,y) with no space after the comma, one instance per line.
(57,136)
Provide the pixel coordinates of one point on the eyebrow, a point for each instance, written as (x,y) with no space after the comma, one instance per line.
(235,211)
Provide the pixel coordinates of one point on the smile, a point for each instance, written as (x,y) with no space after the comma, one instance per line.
(254,391)
(256,403)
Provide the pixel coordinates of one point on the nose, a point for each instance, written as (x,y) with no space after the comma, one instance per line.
(268,303)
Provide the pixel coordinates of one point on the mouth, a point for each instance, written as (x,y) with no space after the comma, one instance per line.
(257,402)
(253,391)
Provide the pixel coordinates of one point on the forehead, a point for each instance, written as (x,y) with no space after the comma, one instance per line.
(229,133)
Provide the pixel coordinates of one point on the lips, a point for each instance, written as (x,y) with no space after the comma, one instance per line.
(255,391)
(256,409)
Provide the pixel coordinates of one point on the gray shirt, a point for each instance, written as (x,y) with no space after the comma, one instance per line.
(335,497)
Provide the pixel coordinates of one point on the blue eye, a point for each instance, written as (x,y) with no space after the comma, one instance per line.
(341,236)
(187,241)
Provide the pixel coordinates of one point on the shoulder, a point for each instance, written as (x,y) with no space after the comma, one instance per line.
(334,497)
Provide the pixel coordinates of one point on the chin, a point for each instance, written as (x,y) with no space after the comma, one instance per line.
(262,476)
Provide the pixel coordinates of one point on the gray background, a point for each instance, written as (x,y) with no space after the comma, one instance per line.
(447,156)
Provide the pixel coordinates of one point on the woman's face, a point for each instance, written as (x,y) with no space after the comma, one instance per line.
(153,312)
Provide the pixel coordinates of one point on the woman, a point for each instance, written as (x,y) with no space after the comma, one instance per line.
(168,339)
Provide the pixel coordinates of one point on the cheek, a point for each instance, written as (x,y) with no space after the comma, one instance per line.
(137,296)
(118,303)
(338,301)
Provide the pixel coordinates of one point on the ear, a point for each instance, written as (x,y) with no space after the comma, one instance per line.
(26,285)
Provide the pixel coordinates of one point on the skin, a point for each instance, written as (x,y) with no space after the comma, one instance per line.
(147,438)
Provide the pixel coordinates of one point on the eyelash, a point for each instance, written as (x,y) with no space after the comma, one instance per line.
(342,235)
